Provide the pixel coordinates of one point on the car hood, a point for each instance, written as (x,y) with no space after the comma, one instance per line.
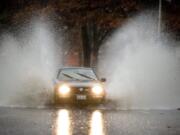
(81,84)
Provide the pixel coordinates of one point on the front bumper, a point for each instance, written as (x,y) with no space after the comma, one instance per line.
(79,97)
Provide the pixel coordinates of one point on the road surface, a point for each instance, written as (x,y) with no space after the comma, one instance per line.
(87,121)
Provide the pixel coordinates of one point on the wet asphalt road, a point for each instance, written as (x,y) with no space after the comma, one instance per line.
(88,121)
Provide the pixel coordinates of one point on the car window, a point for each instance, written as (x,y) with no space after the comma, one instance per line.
(77,74)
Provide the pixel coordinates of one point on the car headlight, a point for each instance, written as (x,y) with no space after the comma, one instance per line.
(97,89)
(64,89)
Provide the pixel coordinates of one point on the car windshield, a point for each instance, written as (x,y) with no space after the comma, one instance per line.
(80,74)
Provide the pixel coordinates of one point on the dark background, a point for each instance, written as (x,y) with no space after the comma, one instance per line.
(88,23)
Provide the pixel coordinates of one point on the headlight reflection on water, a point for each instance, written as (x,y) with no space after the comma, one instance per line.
(64,126)
(97,123)
(63,123)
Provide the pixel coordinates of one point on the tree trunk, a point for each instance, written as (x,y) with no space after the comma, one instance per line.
(86,45)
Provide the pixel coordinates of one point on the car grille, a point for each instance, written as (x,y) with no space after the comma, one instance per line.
(81,90)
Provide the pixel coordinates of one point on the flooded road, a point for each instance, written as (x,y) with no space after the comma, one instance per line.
(88,121)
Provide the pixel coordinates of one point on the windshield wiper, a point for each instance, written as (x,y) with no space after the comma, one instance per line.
(69,76)
(85,76)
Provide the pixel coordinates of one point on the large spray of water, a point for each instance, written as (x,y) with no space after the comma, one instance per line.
(28,64)
(142,69)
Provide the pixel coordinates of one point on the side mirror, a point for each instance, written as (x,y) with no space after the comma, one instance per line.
(103,79)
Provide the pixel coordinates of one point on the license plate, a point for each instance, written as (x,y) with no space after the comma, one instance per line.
(81,97)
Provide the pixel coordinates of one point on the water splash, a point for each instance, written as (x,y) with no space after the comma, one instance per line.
(28,63)
(143,71)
